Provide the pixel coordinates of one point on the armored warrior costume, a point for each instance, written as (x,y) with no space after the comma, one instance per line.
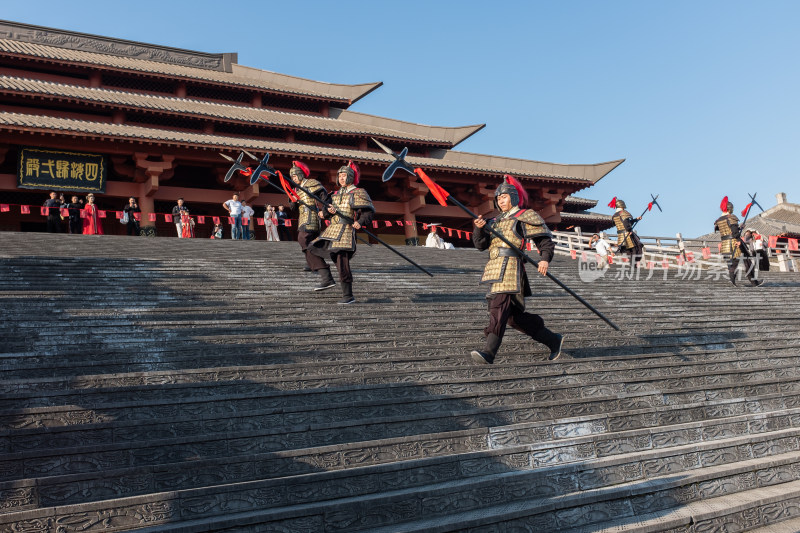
(339,239)
(505,272)
(308,221)
(731,243)
(627,240)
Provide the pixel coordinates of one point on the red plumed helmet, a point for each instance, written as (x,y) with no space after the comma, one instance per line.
(724,204)
(356,171)
(514,189)
(303,167)
(613,203)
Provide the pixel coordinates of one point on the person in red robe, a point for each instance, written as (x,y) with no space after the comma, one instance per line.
(92,225)
(187,225)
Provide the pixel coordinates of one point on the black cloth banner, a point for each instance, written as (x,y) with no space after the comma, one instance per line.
(61,171)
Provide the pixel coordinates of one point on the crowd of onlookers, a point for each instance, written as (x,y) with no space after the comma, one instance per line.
(82,216)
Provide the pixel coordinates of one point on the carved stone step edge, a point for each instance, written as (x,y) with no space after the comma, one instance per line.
(664,449)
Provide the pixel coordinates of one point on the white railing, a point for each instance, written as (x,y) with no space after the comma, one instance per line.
(675,251)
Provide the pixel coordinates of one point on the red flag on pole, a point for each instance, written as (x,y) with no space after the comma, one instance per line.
(650,206)
(437,192)
(746,209)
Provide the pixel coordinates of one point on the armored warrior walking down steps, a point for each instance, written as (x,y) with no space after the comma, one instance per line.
(308,222)
(505,272)
(627,240)
(339,239)
(731,243)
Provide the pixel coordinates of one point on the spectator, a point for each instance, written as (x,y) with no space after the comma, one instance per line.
(283,232)
(53,205)
(270,223)
(130,216)
(187,225)
(177,213)
(74,209)
(762,253)
(217,233)
(247,221)
(234,209)
(602,248)
(91,219)
(433,240)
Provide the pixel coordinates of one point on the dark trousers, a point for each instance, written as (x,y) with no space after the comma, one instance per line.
(133,228)
(283,233)
(342,259)
(733,264)
(315,262)
(53,224)
(75,226)
(505,311)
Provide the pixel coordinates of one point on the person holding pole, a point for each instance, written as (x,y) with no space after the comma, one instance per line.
(505,272)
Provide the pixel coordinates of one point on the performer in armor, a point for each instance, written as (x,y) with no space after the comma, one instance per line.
(308,221)
(627,240)
(732,249)
(505,272)
(339,239)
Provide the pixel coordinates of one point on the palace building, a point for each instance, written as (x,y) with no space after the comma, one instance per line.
(87,113)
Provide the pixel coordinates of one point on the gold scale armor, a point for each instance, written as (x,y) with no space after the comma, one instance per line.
(505,270)
(728,226)
(308,219)
(347,201)
(624,236)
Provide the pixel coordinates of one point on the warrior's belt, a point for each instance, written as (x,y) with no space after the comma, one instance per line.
(494,253)
(727,237)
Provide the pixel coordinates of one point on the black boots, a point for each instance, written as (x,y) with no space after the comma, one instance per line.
(552,340)
(325,279)
(486,356)
(347,294)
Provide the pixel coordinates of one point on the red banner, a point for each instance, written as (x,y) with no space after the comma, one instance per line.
(101,213)
(43,211)
(573,254)
(25,209)
(288,223)
(773,241)
(706,253)
(152,217)
(215,219)
(202,220)
(167,218)
(4,208)
(793,244)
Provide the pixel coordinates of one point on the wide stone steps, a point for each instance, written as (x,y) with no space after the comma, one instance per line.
(179,385)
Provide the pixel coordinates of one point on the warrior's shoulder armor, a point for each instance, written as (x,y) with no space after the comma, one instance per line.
(532,224)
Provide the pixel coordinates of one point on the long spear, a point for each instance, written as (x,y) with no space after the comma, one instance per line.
(653,202)
(263,167)
(442,196)
(247,171)
(746,210)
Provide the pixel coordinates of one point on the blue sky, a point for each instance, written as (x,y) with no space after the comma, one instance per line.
(699,97)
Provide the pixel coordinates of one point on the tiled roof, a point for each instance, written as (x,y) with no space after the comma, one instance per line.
(585,216)
(446,159)
(240,76)
(575,200)
(346,123)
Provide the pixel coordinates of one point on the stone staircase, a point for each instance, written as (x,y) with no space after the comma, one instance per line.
(198,385)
